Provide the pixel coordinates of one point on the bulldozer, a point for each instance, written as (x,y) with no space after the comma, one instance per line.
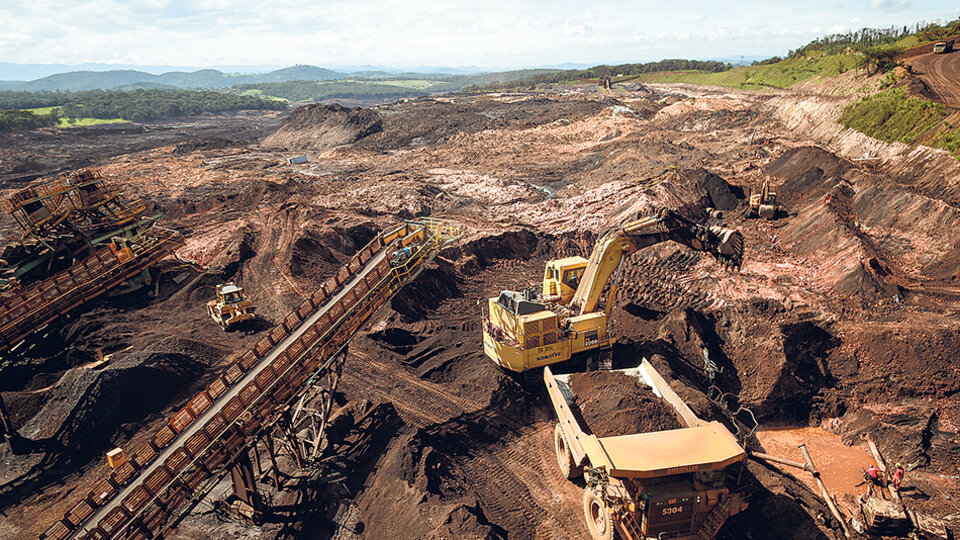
(524,330)
(764,204)
(231,305)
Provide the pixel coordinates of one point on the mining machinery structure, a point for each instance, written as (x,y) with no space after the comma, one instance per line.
(64,220)
(680,483)
(524,330)
(764,204)
(606,82)
(211,436)
(81,238)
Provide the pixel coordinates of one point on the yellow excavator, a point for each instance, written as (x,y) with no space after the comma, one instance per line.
(524,330)
(764,204)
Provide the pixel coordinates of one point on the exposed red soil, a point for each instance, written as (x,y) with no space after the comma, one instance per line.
(848,319)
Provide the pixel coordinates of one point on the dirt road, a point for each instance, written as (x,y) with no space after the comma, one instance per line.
(941,72)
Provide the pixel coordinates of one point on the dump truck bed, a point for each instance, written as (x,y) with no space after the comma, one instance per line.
(698,446)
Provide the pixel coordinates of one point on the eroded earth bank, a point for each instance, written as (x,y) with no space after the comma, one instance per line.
(844,315)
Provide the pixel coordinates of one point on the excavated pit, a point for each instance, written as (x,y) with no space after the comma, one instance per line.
(843,315)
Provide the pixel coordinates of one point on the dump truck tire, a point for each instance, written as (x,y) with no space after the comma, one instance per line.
(598,519)
(568,468)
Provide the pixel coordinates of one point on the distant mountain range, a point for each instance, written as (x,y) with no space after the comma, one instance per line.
(151,77)
(52,77)
(204,78)
(28,72)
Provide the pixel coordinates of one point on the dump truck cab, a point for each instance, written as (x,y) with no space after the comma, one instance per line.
(680,483)
(561,279)
(941,47)
(231,305)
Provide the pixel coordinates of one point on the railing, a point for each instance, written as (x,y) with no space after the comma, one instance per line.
(200,439)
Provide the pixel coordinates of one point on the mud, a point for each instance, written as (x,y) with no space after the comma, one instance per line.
(613,404)
(320,127)
(844,315)
(27,155)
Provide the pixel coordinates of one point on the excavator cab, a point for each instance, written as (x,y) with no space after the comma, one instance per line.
(561,279)
(520,333)
(764,204)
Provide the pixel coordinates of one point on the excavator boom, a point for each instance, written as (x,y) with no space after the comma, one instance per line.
(724,244)
(521,332)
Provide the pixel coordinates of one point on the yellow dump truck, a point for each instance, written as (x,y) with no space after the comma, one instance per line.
(679,484)
(942,47)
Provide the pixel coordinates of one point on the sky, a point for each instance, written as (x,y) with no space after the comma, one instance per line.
(408,33)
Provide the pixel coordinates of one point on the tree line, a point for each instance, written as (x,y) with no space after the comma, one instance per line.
(136,105)
(866,39)
(601,71)
(19,120)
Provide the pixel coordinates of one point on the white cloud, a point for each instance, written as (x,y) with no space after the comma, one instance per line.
(424,32)
(889,6)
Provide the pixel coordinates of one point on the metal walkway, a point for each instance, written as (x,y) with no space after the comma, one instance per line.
(194,449)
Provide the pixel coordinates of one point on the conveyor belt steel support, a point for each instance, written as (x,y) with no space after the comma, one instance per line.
(24,310)
(186,456)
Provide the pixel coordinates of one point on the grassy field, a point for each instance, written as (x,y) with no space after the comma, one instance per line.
(80,122)
(75,122)
(780,75)
(256,92)
(41,110)
(412,84)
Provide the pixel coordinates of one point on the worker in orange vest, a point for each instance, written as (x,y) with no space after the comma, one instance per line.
(898,473)
(873,477)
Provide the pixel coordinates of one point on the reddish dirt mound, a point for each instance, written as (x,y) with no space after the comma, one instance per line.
(612,404)
(319,127)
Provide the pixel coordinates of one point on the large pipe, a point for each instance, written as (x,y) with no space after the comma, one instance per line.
(823,490)
(775,459)
(882,465)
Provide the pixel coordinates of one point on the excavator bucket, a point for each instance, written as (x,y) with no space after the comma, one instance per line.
(726,245)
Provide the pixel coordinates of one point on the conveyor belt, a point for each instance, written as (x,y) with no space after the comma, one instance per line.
(24,310)
(138,498)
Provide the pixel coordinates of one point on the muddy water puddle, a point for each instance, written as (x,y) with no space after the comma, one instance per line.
(841,466)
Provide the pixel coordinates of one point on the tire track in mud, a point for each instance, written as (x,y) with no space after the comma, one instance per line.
(515,485)
(420,403)
(511,479)
(941,72)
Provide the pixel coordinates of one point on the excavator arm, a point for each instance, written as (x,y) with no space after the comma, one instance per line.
(608,254)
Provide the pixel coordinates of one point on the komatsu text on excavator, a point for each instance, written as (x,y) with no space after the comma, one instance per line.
(526,330)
